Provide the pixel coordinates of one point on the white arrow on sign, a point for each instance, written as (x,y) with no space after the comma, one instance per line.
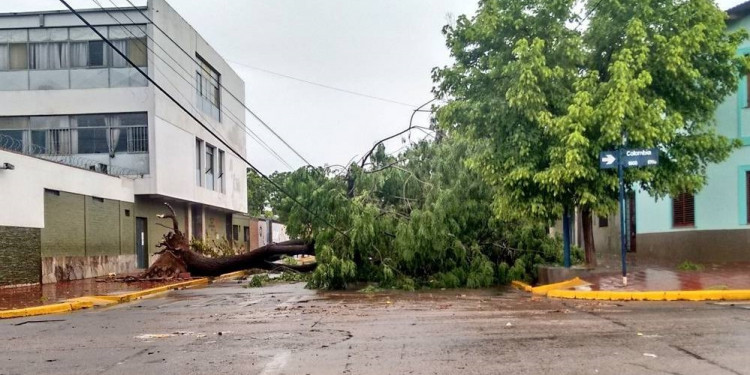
(609,159)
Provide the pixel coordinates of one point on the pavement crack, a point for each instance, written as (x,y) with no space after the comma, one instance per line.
(39,321)
(701,358)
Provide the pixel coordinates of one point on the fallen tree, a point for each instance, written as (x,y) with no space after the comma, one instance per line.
(176,257)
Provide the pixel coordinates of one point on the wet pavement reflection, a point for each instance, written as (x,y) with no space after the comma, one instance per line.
(644,278)
(35,295)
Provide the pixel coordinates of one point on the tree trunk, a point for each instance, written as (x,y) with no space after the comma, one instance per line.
(588,237)
(176,257)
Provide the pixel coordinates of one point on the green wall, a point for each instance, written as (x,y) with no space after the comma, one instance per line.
(77,225)
(64,232)
(150,207)
(20,255)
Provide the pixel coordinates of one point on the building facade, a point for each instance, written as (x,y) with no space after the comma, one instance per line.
(712,225)
(71,106)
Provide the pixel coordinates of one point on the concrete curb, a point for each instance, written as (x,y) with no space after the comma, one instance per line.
(87,302)
(561,290)
(522,286)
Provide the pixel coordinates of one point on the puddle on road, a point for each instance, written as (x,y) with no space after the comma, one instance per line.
(35,295)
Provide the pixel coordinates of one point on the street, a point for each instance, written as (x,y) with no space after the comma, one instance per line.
(286,329)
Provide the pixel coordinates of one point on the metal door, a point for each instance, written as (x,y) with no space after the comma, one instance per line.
(141,239)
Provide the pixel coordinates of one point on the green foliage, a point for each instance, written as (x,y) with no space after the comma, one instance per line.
(259,280)
(422,219)
(549,97)
(289,261)
(262,279)
(689,266)
(215,248)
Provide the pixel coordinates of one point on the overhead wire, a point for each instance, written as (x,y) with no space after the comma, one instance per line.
(241,102)
(224,109)
(208,129)
(323,85)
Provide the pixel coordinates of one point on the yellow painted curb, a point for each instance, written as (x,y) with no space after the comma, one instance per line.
(230,276)
(543,289)
(45,309)
(92,301)
(521,285)
(672,295)
(562,290)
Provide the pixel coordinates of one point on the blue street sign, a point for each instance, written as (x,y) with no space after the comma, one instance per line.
(607,159)
(639,157)
(621,159)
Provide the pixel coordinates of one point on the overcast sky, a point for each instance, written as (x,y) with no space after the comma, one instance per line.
(380,48)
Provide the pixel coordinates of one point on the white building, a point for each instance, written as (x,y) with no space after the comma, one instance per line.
(66,96)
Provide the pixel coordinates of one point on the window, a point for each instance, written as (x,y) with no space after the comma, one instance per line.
(81,134)
(96,53)
(49,56)
(207,86)
(220,177)
(14,56)
(50,135)
(683,210)
(198,164)
(127,213)
(246,231)
(210,152)
(137,51)
(603,221)
(133,136)
(92,134)
(235,232)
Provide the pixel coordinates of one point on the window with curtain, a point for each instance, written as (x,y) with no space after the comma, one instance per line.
(4,57)
(19,56)
(48,56)
(137,52)
(683,210)
(51,135)
(79,54)
(210,152)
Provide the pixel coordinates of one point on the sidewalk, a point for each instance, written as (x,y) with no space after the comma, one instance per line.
(730,281)
(36,295)
(657,277)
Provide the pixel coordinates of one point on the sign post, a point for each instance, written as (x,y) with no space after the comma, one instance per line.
(621,159)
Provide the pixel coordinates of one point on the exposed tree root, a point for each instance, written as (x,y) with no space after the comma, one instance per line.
(177,258)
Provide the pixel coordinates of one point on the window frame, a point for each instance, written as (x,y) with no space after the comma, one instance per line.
(199,162)
(210,169)
(683,210)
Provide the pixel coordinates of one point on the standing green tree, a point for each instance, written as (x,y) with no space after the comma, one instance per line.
(551,88)
(259,194)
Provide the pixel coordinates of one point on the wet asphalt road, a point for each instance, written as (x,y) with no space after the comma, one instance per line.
(286,329)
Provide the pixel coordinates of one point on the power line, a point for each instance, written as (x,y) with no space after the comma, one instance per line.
(215,135)
(242,103)
(323,85)
(237,121)
(587,14)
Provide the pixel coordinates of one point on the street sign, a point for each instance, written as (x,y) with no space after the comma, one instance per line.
(607,159)
(639,157)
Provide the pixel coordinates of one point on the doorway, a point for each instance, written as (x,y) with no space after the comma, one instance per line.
(141,239)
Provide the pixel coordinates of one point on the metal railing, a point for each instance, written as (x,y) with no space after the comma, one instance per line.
(74,160)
